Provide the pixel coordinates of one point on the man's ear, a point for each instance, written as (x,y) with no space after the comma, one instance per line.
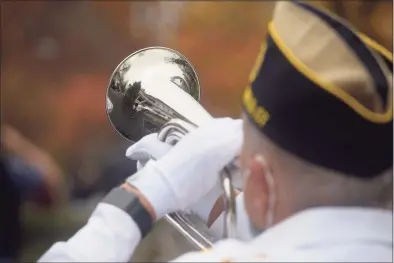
(257,190)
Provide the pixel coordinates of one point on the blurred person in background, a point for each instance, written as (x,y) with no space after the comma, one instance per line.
(27,174)
(315,144)
(97,175)
(59,43)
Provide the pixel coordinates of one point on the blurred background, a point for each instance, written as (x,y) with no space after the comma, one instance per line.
(59,151)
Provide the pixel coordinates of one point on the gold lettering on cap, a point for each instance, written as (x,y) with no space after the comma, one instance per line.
(259,114)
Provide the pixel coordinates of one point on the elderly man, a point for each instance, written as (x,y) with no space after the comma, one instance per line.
(315,148)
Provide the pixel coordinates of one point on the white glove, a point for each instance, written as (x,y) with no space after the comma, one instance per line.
(183,176)
(150,148)
(147,149)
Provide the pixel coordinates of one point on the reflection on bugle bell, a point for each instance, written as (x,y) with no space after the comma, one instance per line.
(156,89)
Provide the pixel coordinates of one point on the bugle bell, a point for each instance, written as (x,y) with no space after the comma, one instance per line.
(156,89)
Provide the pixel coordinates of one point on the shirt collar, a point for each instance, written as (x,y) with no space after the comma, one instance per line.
(331,224)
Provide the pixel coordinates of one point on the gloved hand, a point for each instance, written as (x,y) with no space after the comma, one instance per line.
(147,149)
(187,172)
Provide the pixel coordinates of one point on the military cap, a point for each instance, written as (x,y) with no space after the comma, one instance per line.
(323,92)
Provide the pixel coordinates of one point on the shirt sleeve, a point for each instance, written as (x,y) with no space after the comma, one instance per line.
(110,235)
(228,250)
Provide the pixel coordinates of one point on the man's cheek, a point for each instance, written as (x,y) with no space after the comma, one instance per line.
(242,159)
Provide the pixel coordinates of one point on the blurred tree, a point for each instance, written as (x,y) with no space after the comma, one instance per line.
(222,39)
(57,56)
(58,59)
(379,14)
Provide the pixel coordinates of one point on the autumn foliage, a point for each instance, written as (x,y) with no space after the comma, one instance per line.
(59,102)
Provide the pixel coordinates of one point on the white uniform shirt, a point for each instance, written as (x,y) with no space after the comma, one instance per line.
(315,235)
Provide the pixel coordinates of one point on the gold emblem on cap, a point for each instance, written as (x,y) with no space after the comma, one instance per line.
(257,112)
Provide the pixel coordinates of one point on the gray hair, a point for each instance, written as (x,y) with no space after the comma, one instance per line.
(315,185)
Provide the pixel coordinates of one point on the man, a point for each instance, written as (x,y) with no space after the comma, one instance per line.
(316,155)
(35,173)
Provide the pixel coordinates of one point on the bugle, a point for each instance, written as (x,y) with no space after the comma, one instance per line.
(156,89)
